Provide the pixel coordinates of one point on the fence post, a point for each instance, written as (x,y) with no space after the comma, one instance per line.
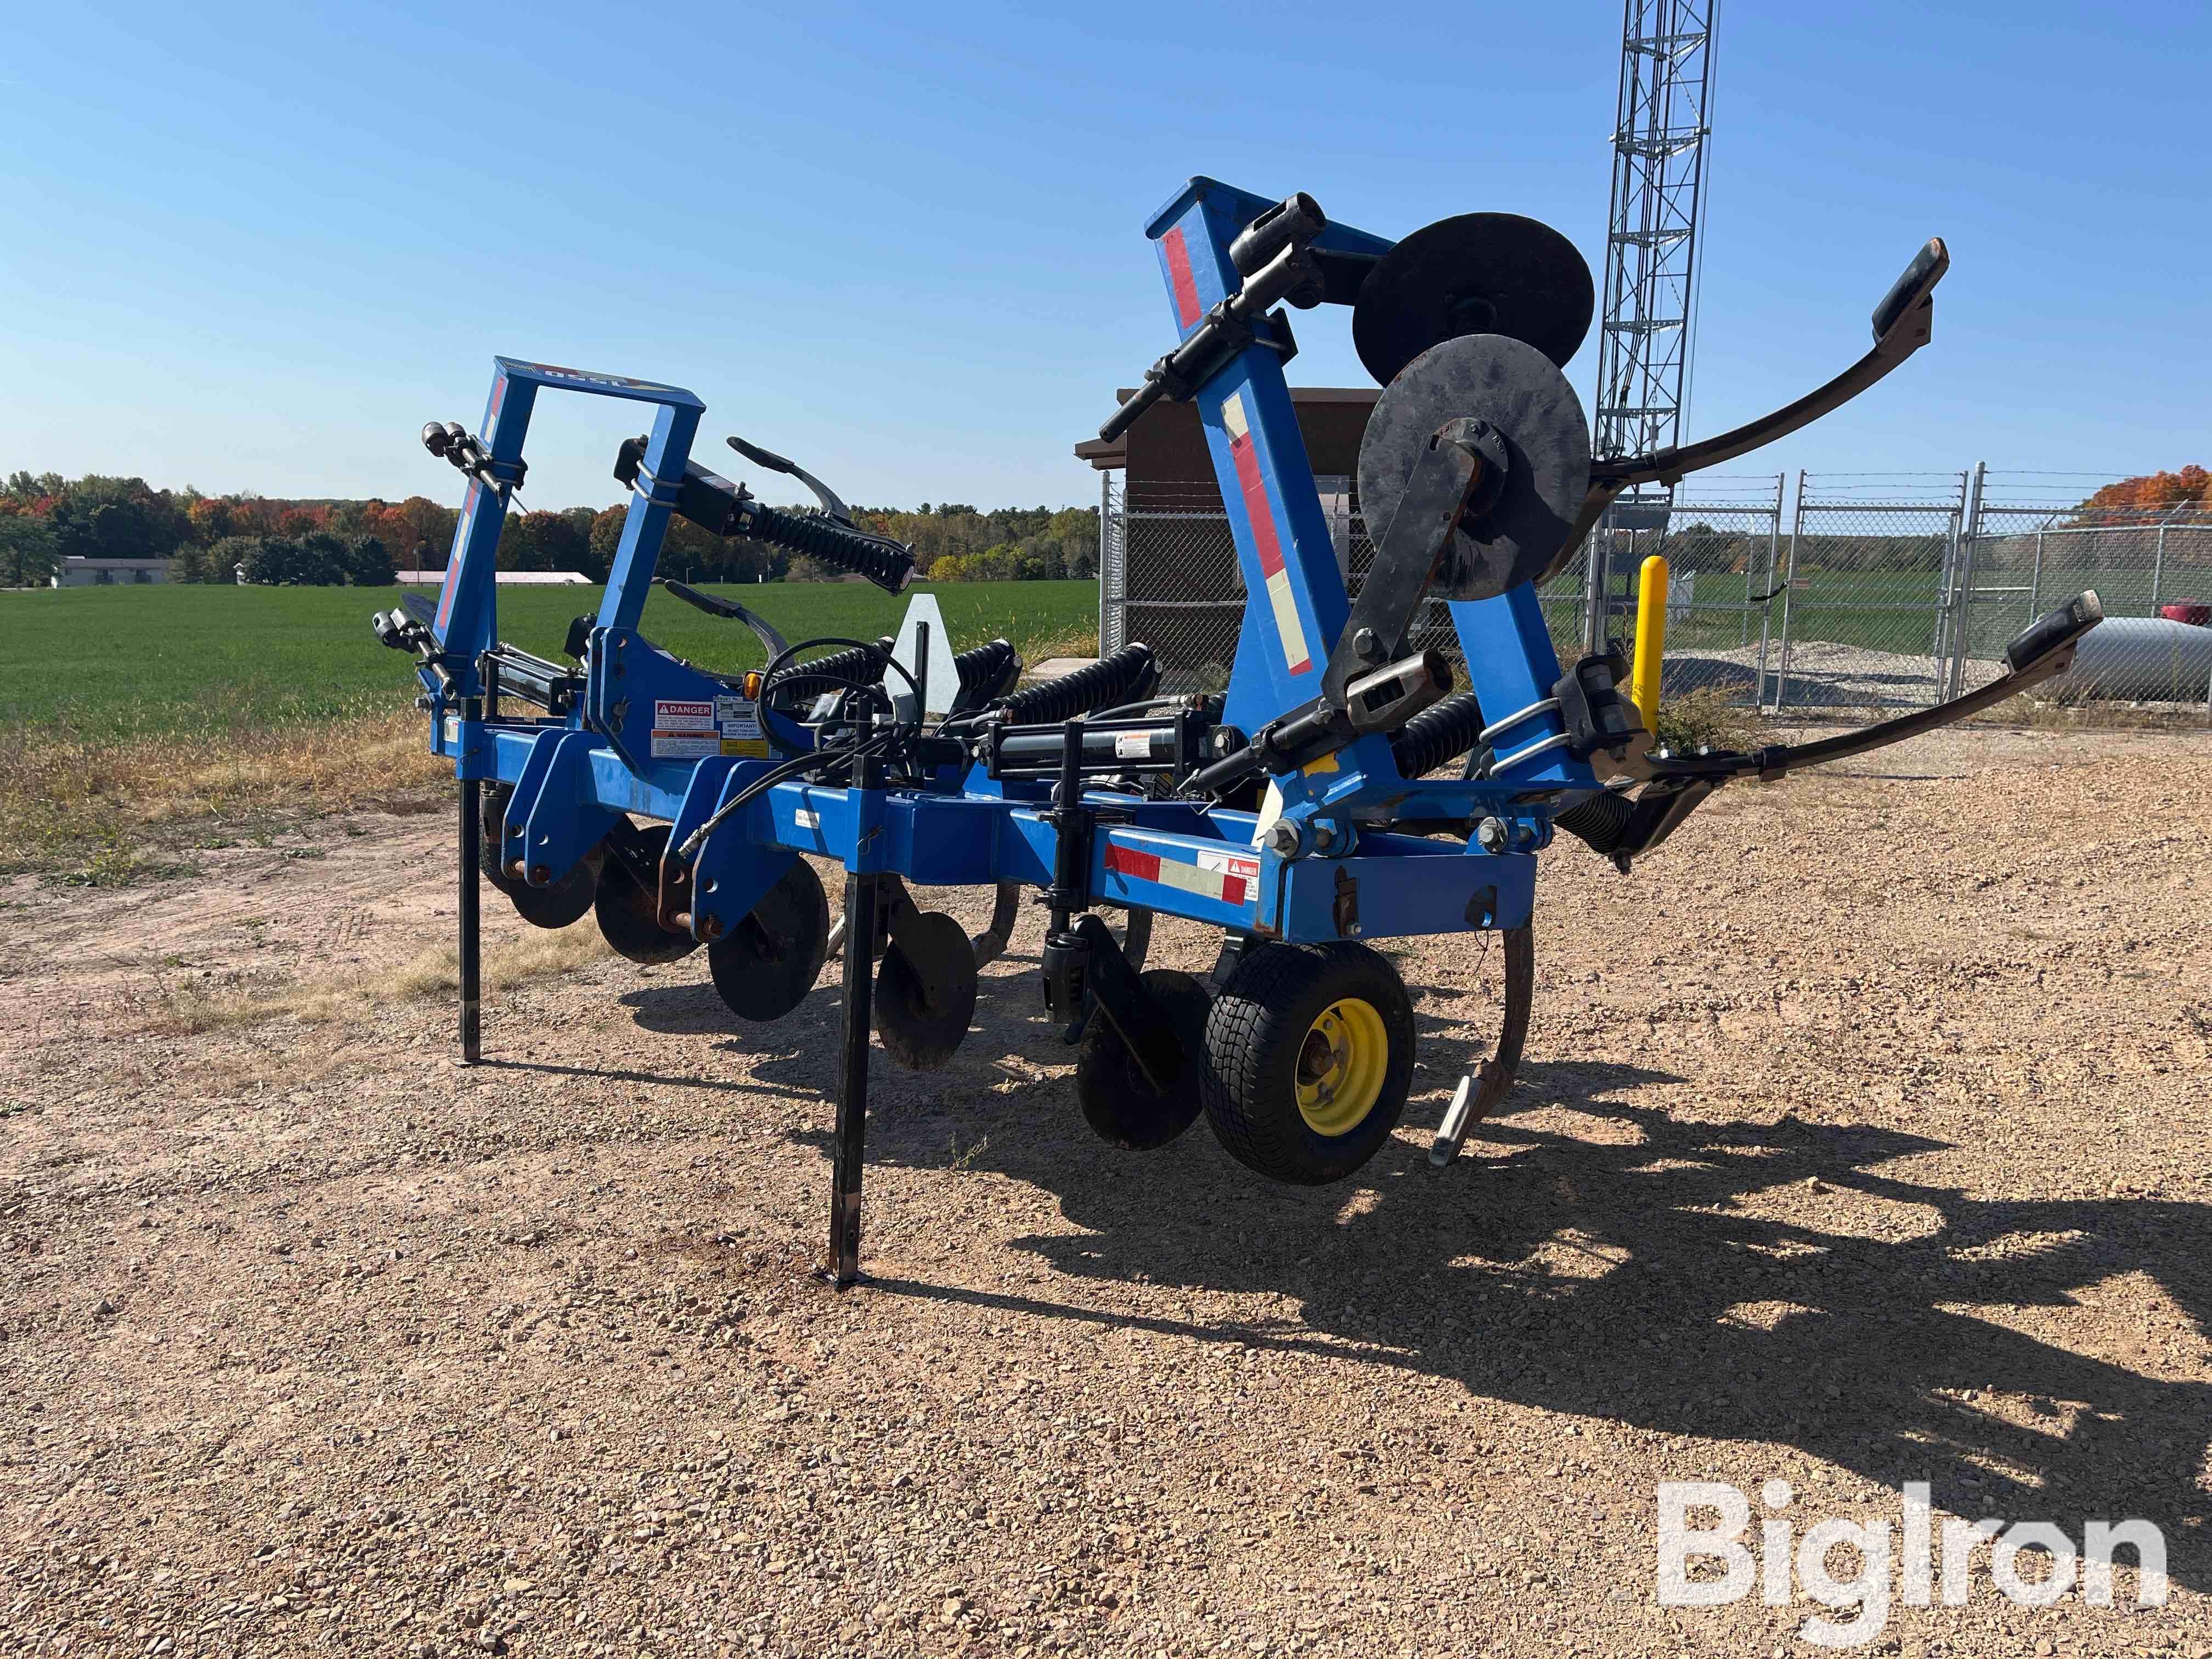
(1789,591)
(1112,583)
(2035,581)
(1970,528)
(1597,554)
(2157,566)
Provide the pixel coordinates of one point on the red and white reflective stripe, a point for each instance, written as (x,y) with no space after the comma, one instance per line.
(1180,280)
(1228,877)
(1254,489)
(454,561)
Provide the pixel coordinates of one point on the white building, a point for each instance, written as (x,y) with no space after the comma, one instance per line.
(76,571)
(504,579)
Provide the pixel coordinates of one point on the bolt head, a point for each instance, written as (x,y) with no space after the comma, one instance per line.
(1283,838)
(1491,835)
(1366,646)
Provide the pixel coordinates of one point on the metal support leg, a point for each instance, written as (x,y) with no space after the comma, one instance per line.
(863,911)
(468,946)
(864,918)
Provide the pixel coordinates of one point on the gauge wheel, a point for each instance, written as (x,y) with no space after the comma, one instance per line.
(1309,1055)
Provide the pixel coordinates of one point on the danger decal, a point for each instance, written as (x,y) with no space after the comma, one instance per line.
(1254,489)
(1228,876)
(684,729)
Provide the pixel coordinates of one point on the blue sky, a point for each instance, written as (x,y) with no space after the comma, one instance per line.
(252,247)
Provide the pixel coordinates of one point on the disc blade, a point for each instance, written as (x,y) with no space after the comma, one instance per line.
(763,967)
(629,915)
(563,902)
(925,991)
(1521,393)
(1121,1108)
(1477,273)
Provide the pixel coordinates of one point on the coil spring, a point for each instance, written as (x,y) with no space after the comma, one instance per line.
(834,671)
(987,670)
(883,564)
(1437,735)
(1128,674)
(1601,820)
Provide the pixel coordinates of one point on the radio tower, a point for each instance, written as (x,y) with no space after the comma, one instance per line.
(1659,140)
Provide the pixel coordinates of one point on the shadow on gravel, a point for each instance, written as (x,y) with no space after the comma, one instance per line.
(1654,1273)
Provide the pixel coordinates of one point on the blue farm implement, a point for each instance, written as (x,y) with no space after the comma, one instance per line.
(1320,802)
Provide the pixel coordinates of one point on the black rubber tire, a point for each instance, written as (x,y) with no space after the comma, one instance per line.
(1121,1107)
(628,916)
(1254,1037)
(564,901)
(763,967)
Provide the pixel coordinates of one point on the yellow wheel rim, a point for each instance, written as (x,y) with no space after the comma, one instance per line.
(1341,1065)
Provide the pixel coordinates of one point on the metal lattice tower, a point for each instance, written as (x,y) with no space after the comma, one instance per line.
(1659,145)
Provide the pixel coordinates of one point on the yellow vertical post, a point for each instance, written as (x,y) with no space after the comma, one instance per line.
(1650,639)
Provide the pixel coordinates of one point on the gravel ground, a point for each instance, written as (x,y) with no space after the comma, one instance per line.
(1862,1141)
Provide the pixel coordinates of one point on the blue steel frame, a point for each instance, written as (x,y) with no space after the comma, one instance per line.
(570,776)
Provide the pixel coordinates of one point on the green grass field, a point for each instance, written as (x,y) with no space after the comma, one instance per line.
(1883,609)
(101,663)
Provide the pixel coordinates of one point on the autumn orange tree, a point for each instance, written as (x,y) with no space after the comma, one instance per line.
(2152,492)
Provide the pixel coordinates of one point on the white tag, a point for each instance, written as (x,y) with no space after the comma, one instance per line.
(807,819)
(1132,745)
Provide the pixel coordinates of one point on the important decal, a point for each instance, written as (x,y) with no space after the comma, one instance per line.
(1281,601)
(737,720)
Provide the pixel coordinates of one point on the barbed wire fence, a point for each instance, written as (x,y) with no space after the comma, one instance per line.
(1829,596)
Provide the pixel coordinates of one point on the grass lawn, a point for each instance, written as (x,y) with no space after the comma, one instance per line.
(1883,609)
(101,664)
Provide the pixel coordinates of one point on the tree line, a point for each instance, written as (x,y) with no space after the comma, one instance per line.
(45,518)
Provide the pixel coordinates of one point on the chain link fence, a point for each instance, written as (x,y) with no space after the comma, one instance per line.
(1828,596)
(2035,544)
